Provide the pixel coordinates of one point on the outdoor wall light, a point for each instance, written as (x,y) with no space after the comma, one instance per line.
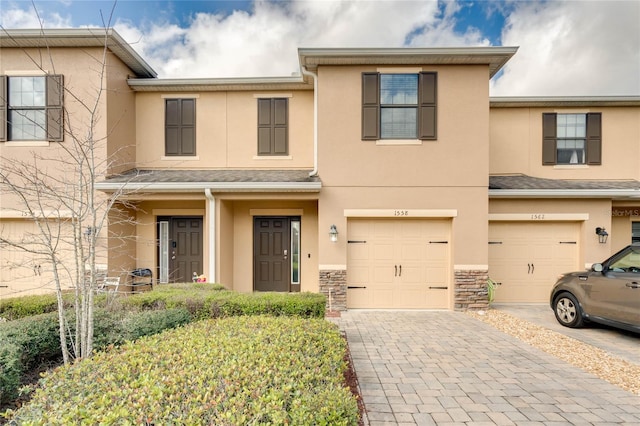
(602,235)
(333,233)
(89,232)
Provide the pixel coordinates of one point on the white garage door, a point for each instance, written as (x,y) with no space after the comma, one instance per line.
(398,263)
(526,258)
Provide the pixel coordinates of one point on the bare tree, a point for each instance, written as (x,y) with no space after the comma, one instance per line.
(55,190)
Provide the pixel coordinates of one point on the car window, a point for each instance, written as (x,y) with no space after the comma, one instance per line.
(630,262)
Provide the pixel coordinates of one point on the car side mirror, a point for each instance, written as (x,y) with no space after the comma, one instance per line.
(597,267)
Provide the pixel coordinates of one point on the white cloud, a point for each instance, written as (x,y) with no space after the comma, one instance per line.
(572,48)
(566,47)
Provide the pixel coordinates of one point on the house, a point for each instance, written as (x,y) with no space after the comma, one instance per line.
(383,178)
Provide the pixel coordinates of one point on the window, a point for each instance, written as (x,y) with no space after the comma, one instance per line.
(635,232)
(399,106)
(571,138)
(31,108)
(273,123)
(180,127)
(295,251)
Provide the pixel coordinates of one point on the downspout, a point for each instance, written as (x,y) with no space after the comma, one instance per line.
(314,172)
(211,208)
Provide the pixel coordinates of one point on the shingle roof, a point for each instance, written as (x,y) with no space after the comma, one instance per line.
(227,179)
(519,181)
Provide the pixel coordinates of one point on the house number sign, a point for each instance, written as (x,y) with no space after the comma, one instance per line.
(537,216)
(401,212)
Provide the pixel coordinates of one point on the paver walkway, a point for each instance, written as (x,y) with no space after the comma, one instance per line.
(446,368)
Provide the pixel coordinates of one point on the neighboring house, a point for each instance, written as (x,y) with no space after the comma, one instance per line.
(384,178)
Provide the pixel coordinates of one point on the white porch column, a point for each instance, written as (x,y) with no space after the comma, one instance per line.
(211,221)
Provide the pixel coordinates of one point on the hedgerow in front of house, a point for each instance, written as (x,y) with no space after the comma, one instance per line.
(228,371)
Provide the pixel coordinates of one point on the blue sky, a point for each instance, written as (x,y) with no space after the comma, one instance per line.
(566,48)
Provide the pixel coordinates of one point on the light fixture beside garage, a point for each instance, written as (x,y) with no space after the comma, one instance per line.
(602,235)
(333,233)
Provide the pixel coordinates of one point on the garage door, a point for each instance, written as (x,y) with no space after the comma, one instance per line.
(525,259)
(26,272)
(398,263)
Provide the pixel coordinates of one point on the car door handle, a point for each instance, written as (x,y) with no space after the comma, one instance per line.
(633,285)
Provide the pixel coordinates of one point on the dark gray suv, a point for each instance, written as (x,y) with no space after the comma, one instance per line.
(608,294)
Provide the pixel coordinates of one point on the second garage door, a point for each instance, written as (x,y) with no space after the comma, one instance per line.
(525,258)
(398,263)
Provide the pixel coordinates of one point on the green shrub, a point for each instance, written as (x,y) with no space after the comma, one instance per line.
(25,306)
(146,323)
(26,342)
(229,371)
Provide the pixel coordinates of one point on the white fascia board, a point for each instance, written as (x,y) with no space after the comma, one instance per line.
(214,186)
(564,193)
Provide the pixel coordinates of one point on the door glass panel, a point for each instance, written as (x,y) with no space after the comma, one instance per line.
(295,252)
(164,252)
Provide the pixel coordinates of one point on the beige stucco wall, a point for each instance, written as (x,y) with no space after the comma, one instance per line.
(226,131)
(448,173)
(516,144)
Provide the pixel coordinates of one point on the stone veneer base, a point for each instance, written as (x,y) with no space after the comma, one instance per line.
(471,292)
(333,284)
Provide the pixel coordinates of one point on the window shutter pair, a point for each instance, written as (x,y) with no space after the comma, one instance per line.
(273,123)
(54,108)
(180,124)
(593,138)
(427,106)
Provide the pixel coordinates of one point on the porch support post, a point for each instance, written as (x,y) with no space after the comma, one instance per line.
(211,217)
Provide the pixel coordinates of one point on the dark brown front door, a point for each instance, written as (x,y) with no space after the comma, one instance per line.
(185,248)
(271,254)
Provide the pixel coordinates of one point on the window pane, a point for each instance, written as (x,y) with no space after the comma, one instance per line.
(635,232)
(399,89)
(398,123)
(27,91)
(27,125)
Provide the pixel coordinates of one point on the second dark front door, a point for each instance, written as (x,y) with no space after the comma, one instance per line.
(272,264)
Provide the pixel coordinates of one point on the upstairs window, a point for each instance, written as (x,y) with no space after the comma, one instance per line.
(399,106)
(571,139)
(273,123)
(180,127)
(31,108)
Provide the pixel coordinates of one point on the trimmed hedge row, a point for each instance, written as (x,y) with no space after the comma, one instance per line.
(29,341)
(229,371)
(26,306)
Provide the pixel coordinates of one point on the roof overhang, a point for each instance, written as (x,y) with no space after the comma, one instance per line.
(614,194)
(220,84)
(222,180)
(77,37)
(563,101)
(493,57)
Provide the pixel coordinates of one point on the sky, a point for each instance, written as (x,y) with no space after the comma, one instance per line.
(565,48)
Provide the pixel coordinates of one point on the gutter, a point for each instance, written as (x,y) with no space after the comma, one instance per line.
(305,71)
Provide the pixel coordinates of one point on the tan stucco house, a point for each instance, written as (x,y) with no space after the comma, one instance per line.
(384,178)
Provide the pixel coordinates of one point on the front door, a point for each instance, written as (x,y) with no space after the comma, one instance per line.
(184,248)
(272,257)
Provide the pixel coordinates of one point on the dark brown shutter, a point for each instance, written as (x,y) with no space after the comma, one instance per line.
(172,127)
(370,106)
(188,124)
(427,108)
(3,108)
(180,124)
(55,97)
(594,138)
(549,129)
(273,122)
(280,118)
